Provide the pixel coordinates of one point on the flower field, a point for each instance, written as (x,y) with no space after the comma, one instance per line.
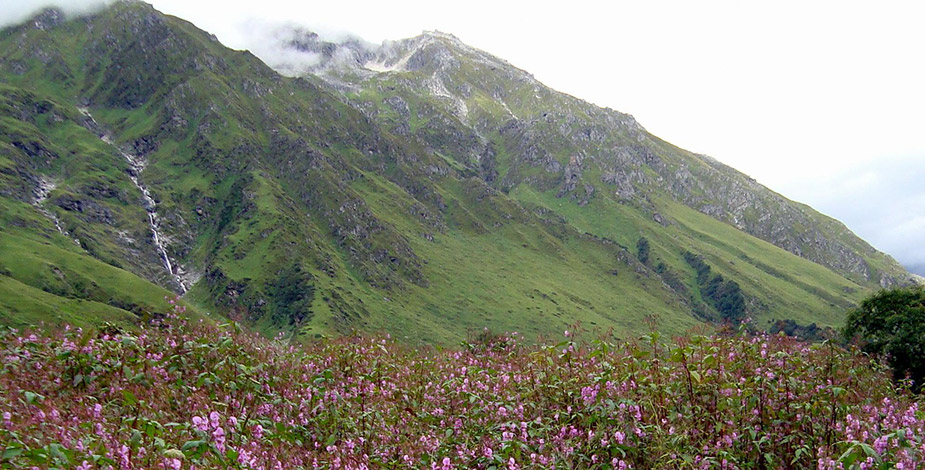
(177,395)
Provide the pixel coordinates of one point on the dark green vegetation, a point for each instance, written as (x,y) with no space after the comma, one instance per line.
(725,296)
(449,193)
(892,323)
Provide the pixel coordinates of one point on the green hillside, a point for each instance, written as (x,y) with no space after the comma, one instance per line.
(294,206)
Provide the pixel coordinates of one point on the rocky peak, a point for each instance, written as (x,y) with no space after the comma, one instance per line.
(48,18)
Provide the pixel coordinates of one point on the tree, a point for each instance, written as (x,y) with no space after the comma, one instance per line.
(891,323)
(642,250)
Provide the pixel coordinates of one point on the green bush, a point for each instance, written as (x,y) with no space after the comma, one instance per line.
(642,250)
(891,323)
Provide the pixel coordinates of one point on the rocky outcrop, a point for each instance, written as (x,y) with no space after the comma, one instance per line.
(552,140)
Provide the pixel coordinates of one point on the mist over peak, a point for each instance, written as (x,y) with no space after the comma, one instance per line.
(16,12)
(294,49)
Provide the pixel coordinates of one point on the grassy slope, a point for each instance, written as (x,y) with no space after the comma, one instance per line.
(779,285)
(494,264)
(784,285)
(518,279)
(46,278)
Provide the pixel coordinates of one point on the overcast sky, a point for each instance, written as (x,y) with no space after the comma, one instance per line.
(823,102)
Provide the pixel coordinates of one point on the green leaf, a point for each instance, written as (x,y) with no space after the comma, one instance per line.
(174,454)
(677,355)
(32,397)
(11,453)
(192,445)
(135,440)
(58,453)
(128,398)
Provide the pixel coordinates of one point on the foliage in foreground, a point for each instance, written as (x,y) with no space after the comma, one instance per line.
(201,396)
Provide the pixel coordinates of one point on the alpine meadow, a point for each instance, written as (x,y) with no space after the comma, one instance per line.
(407,255)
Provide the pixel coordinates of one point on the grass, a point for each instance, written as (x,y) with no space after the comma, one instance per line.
(48,280)
(22,305)
(784,285)
(515,277)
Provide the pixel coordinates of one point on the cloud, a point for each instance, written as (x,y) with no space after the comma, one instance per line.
(18,11)
(293,49)
(270,42)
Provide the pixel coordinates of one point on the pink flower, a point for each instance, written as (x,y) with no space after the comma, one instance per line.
(218,436)
(619,437)
(200,423)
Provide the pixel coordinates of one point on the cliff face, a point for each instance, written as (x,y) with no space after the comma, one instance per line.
(423,188)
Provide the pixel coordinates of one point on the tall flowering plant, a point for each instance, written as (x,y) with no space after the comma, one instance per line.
(179,395)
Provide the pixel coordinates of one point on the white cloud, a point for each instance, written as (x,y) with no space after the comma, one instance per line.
(16,11)
(268,42)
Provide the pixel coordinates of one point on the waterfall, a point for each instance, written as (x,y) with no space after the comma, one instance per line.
(136,166)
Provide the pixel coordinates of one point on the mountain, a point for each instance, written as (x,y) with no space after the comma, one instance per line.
(422,187)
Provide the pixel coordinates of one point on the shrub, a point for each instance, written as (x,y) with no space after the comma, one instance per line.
(891,323)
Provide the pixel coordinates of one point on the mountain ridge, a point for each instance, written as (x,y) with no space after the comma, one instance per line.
(733,210)
(327,204)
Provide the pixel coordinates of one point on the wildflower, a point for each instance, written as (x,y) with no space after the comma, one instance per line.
(619,436)
(218,437)
(200,423)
